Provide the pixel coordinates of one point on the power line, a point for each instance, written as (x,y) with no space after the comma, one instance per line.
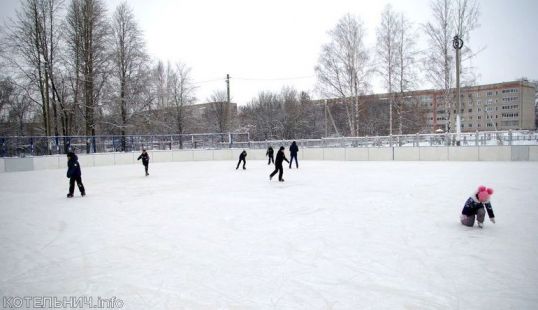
(255,79)
(275,79)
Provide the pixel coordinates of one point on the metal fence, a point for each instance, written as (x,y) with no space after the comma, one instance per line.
(37,146)
(42,145)
(440,139)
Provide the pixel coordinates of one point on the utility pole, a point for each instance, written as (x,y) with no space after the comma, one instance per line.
(326,128)
(390,114)
(457,43)
(228,87)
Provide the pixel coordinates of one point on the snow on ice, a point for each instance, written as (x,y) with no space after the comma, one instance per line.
(335,235)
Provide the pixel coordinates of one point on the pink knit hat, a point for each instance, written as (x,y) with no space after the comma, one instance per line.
(484,193)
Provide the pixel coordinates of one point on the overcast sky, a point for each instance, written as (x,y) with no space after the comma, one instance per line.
(265,45)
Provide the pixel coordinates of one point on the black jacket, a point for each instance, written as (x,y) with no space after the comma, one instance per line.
(280,157)
(472,205)
(73,167)
(269,152)
(243,155)
(145,158)
(294,149)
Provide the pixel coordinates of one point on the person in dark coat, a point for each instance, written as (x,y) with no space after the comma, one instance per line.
(474,208)
(293,154)
(280,158)
(242,158)
(145,160)
(74,174)
(269,154)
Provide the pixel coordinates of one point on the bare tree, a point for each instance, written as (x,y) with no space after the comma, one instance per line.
(450,17)
(181,92)
(342,67)
(406,74)
(87,36)
(31,42)
(129,64)
(293,113)
(387,53)
(263,116)
(467,13)
(219,114)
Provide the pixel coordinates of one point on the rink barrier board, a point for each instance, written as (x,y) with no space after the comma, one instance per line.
(533,154)
(481,153)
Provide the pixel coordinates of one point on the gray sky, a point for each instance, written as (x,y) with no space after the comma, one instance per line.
(265,45)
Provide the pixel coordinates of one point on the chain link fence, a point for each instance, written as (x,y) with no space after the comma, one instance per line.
(37,146)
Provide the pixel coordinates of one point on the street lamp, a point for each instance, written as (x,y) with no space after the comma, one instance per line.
(457,43)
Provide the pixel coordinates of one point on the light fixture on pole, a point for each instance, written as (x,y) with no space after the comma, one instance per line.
(457,43)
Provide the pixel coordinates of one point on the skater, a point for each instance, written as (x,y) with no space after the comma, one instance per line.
(74,174)
(293,154)
(145,160)
(270,155)
(280,157)
(474,207)
(242,158)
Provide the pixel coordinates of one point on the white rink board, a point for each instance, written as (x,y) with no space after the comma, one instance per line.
(495,153)
(406,153)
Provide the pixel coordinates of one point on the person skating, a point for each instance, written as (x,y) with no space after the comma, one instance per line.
(474,208)
(293,154)
(242,158)
(74,174)
(269,154)
(145,160)
(280,157)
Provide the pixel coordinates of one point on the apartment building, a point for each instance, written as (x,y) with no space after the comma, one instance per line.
(501,106)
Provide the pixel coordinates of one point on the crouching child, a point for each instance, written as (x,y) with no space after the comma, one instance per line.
(476,207)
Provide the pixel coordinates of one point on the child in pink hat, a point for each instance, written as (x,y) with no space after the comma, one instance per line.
(474,208)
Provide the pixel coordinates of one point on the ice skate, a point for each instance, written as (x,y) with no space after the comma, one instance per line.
(69,195)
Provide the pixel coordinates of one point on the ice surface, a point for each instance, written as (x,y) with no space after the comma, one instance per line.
(335,235)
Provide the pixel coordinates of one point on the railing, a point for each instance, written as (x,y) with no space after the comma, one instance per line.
(440,139)
(39,145)
(42,145)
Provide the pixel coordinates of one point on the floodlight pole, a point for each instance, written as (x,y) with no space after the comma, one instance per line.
(228,88)
(457,43)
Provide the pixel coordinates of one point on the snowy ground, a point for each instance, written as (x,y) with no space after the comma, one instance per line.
(335,235)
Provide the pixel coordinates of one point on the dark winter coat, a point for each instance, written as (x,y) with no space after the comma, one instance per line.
(294,149)
(243,155)
(280,157)
(145,158)
(269,152)
(73,167)
(472,205)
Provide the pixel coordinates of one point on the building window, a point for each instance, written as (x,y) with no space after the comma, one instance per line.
(508,115)
(470,110)
(508,99)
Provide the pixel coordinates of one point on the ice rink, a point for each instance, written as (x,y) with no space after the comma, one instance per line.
(334,235)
